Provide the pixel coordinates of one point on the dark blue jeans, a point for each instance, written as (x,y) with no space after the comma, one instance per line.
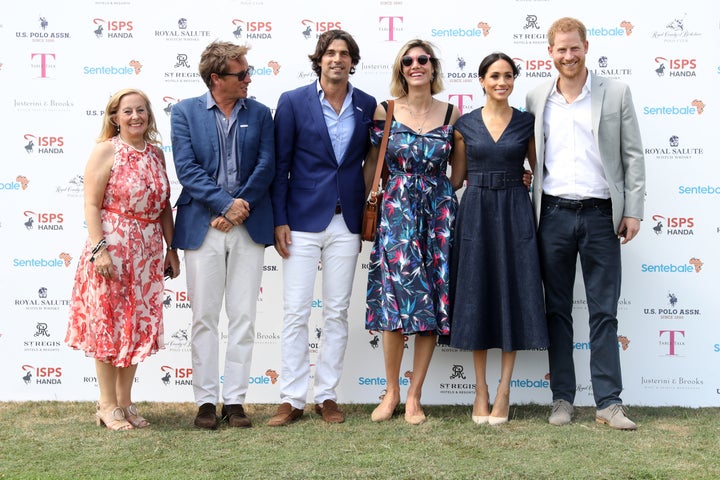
(568,229)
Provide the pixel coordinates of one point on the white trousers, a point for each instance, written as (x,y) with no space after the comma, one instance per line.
(227,265)
(338,249)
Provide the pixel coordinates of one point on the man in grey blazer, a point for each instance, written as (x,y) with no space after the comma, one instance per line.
(588,193)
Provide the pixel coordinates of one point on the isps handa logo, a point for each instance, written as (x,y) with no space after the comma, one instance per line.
(176,375)
(673,226)
(45,375)
(42,221)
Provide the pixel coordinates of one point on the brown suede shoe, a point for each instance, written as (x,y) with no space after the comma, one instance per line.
(330,411)
(285,415)
(206,417)
(235,416)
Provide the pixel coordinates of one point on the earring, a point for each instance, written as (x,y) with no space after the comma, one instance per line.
(117,128)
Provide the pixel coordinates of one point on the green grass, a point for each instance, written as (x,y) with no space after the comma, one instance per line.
(60,440)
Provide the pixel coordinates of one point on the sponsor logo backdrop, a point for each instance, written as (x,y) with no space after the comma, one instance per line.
(58,68)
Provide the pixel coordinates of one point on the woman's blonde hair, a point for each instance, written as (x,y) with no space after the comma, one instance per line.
(398,84)
(110,128)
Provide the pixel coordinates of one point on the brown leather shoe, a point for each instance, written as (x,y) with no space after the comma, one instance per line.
(235,416)
(285,415)
(206,417)
(330,411)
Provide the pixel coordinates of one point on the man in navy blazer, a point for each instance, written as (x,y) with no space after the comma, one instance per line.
(589,197)
(321,138)
(224,155)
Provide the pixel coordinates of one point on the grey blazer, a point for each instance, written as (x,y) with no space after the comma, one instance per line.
(617,135)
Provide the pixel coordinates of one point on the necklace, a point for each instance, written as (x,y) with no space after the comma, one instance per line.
(424,114)
(139,150)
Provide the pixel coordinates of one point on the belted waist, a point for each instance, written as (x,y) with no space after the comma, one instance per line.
(130,215)
(494,180)
(576,204)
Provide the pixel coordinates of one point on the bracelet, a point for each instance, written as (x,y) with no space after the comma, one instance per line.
(92,259)
(99,245)
(102,244)
(171,249)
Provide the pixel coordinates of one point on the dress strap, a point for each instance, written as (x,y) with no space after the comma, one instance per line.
(448,114)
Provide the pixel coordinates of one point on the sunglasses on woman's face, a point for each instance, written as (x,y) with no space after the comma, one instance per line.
(407,60)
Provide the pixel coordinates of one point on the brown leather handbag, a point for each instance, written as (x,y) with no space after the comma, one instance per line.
(371,213)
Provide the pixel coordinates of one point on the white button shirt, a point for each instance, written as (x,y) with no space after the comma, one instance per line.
(573,168)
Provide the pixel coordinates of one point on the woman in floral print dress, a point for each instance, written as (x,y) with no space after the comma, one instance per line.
(116,304)
(408,279)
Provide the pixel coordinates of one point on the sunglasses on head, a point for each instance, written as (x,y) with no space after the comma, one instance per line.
(407,60)
(240,75)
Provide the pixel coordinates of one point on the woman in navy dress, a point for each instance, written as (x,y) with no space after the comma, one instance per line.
(495,286)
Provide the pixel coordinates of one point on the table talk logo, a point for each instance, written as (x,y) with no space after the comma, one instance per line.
(43,32)
(673,226)
(45,375)
(175,375)
(182,32)
(311,28)
(43,62)
(671,343)
(391,26)
(115,29)
(675,149)
(675,30)
(42,221)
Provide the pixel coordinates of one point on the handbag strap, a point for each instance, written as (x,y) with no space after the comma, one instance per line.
(381,154)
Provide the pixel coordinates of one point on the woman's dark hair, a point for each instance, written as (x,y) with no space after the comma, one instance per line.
(494,57)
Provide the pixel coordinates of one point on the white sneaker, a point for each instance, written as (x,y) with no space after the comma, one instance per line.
(614,417)
(561,413)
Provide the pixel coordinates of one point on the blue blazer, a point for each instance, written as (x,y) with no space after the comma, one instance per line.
(196,153)
(308,179)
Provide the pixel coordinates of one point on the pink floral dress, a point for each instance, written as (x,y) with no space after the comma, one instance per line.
(120,320)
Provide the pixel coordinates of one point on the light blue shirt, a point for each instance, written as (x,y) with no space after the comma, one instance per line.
(228,176)
(340,126)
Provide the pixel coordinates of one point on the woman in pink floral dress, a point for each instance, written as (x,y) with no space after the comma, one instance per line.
(116,305)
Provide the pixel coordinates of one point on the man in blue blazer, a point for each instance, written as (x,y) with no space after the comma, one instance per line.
(588,193)
(224,155)
(321,138)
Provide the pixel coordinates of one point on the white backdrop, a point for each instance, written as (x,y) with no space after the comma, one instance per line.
(59,64)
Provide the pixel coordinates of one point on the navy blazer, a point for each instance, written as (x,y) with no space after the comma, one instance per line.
(196,153)
(308,179)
